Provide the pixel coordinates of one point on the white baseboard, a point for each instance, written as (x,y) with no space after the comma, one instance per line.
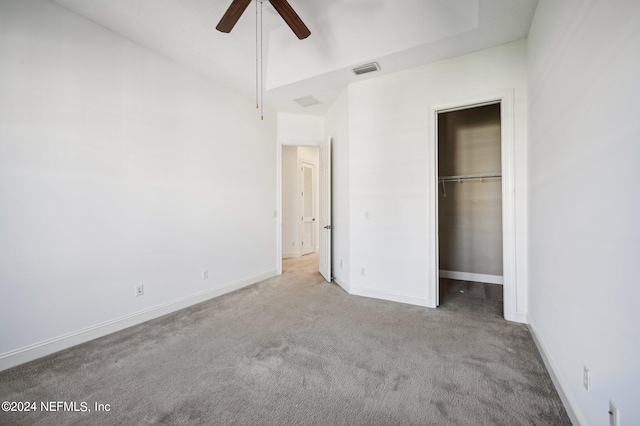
(522,317)
(574,415)
(290,255)
(47,347)
(341,283)
(393,297)
(469,276)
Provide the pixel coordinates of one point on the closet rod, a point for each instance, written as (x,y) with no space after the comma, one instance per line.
(469,177)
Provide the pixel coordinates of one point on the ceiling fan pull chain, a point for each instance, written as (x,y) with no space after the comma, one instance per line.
(286,12)
(261,69)
(257,97)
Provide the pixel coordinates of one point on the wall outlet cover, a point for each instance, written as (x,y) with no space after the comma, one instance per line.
(614,415)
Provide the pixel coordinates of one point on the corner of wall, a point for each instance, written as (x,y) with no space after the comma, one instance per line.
(48,347)
(567,401)
(343,284)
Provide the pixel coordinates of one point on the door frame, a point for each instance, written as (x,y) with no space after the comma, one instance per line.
(507,114)
(324,213)
(314,234)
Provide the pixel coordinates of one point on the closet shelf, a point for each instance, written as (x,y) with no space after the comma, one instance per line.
(460,178)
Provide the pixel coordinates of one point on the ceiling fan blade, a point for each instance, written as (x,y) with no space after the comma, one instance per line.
(291,18)
(232,15)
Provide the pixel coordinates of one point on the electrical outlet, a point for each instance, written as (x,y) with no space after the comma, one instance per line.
(205,274)
(586,378)
(614,415)
(363,272)
(367,215)
(139,290)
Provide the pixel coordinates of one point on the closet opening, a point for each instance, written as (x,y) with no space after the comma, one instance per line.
(469,209)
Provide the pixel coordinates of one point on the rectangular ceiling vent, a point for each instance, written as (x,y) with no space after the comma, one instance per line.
(363,69)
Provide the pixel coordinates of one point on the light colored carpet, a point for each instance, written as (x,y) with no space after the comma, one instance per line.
(295,350)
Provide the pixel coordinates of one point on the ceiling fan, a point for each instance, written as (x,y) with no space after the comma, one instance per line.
(285,10)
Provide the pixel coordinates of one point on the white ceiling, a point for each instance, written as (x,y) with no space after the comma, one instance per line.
(398,34)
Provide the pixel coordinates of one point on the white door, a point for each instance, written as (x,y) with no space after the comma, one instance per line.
(307,208)
(325,211)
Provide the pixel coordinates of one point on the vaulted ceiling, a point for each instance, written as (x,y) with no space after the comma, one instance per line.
(398,34)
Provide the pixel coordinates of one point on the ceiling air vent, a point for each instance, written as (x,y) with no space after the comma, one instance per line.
(307,101)
(363,69)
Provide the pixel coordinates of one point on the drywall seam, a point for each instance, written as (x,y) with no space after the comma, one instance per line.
(568,403)
(47,347)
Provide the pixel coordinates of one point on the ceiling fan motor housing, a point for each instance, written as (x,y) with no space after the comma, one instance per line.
(284,9)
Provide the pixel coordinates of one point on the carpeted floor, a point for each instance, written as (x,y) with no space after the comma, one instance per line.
(471,297)
(295,350)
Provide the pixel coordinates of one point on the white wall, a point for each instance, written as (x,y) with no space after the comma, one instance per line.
(299,129)
(337,128)
(584,200)
(118,167)
(389,131)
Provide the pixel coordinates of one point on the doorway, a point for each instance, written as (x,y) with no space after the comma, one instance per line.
(470,209)
(508,205)
(299,201)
